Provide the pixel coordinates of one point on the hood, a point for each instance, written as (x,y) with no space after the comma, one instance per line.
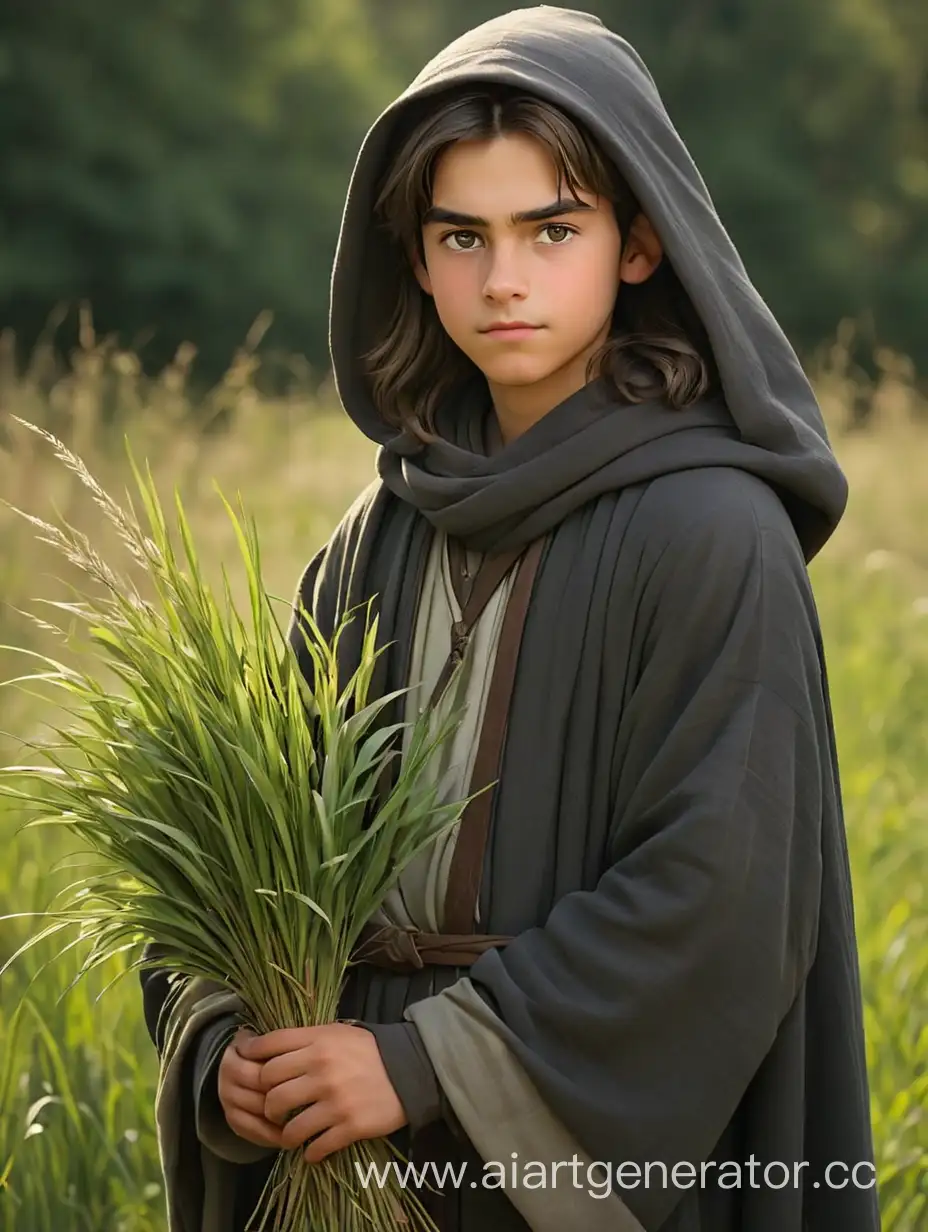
(767,421)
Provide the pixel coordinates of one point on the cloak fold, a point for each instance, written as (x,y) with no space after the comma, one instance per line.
(201,1158)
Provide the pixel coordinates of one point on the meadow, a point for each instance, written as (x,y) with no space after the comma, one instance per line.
(77,1070)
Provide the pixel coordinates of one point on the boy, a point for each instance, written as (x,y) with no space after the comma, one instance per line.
(602,476)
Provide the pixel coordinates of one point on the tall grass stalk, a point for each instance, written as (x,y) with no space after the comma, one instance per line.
(227,806)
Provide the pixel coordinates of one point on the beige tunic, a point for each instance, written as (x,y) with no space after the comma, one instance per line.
(417,900)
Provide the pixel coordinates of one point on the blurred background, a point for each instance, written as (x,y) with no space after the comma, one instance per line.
(180,165)
(171,183)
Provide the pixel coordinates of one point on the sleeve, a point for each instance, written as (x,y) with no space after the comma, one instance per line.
(162,996)
(156,984)
(201,1178)
(161,989)
(212,1128)
(643,1007)
(410,1071)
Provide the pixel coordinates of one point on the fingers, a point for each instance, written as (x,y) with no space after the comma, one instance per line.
(284,1068)
(254,1128)
(264,1047)
(286,1098)
(240,1098)
(312,1120)
(334,1139)
(241,1073)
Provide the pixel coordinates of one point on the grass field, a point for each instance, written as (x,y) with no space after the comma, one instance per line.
(77,1075)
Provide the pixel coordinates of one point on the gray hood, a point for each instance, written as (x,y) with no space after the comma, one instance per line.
(767,421)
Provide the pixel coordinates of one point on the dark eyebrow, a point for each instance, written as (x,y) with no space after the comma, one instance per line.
(436,213)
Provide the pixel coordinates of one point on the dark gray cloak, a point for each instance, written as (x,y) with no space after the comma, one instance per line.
(667,841)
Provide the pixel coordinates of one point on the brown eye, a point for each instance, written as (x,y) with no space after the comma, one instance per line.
(558,232)
(458,237)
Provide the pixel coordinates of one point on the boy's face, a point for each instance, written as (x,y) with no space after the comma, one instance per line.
(487,264)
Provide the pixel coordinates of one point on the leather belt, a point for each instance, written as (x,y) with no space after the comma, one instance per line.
(410,949)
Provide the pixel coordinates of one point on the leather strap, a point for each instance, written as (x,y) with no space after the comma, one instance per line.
(409,949)
(467,861)
(472,595)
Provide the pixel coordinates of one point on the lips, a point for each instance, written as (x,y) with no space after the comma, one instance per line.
(511,331)
(507,326)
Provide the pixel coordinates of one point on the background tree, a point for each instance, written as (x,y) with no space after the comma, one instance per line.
(182,165)
(179,164)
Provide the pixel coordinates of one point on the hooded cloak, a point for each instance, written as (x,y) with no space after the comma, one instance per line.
(772,426)
(667,844)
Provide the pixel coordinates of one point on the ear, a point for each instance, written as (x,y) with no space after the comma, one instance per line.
(643,251)
(421,273)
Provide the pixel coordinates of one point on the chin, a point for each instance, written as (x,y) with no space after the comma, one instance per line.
(518,371)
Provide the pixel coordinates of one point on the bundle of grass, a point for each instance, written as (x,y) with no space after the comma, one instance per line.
(229,807)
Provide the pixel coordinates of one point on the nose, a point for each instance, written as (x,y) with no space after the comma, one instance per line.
(505,278)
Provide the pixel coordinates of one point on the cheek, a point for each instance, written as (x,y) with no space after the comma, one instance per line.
(589,282)
(453,286)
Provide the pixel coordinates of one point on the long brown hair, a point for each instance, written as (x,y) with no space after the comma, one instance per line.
(657,347)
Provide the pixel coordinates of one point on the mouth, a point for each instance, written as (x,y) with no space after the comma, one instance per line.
(511,330)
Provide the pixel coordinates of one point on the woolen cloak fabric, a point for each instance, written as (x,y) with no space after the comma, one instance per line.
(667,844)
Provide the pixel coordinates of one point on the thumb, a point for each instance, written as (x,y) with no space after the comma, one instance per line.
(242,1041)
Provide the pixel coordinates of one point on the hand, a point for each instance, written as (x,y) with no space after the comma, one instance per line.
(242,1096)
(336,1075)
